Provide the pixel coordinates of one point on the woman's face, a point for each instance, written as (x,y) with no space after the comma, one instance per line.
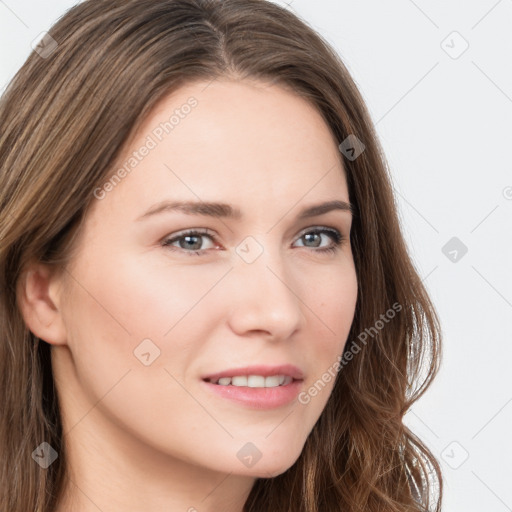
(150,312)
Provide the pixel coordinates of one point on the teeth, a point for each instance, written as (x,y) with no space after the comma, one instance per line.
(273,381)
(239,381)
(255,381)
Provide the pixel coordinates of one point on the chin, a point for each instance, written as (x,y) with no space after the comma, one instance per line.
(273,470)
(271,467)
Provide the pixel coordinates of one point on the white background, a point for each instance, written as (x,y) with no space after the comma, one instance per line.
(445,125)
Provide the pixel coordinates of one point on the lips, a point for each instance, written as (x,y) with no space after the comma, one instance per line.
(258,387)
(288,370)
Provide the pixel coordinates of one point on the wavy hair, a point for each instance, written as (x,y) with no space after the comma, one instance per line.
(68,114)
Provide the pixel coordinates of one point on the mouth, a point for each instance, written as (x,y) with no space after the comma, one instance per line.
(257,387)
(257,376)
(254,381)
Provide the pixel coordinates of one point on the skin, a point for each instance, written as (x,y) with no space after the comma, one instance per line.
(151,437)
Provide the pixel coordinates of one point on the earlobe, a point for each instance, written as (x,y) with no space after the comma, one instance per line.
(38,300)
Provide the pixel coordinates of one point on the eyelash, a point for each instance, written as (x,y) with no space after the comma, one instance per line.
(334,233)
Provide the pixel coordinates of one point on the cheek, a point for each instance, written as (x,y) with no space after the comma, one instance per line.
(132,300)
(332,312)
(153,299)
(332,301)
(111,311)
(146,319)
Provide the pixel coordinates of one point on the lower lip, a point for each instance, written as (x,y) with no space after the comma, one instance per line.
(258,398)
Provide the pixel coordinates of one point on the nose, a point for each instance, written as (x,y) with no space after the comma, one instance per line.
(265,298)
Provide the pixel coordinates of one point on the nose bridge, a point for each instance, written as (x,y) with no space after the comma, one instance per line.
(265,298)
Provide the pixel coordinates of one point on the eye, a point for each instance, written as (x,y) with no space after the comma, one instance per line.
(191,242)
(315,236)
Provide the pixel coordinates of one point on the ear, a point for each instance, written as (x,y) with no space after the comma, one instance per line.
(39,300)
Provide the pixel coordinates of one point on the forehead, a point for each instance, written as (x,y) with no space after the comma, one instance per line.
(239,142)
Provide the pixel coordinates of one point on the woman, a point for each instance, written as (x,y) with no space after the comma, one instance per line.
(170,338)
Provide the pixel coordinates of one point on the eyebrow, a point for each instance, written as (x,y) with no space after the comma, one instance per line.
(224,210)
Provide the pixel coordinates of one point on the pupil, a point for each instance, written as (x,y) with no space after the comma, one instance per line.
(312,235)
(189,237)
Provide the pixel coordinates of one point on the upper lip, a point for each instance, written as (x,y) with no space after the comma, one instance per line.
(264,370)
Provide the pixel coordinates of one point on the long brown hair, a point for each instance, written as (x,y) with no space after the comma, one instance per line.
(66,117)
